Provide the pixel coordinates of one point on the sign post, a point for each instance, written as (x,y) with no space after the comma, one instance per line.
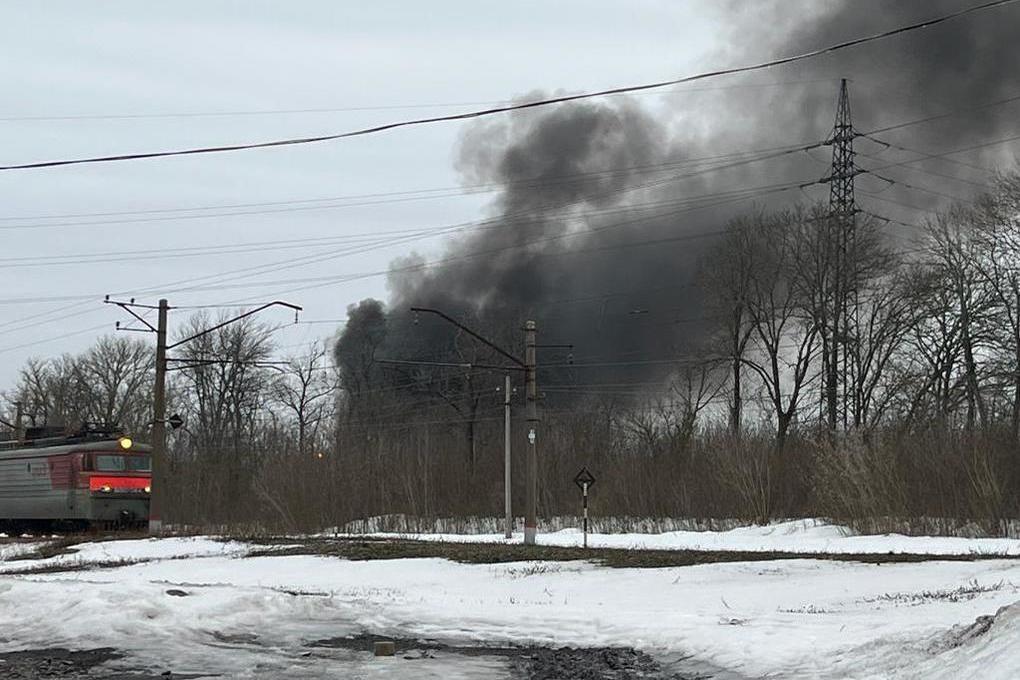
(585,480)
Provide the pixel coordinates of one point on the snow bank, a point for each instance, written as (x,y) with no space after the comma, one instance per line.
(17,548)
(145,549)
(800,536)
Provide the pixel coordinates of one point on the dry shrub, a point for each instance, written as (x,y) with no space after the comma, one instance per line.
(930,481)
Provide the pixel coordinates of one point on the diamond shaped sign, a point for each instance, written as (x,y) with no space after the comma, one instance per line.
(584,477)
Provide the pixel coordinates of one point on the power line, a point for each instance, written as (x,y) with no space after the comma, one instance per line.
(199,251)
(926,156)
(346,109)
(941,116)
(907,165)
(913,187)
(332,280)
(710,163)
(777,150)
(684,205)
(893,201)
(52,338)
(523,105)
(502,220)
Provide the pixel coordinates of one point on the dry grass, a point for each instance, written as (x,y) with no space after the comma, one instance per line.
(494,553)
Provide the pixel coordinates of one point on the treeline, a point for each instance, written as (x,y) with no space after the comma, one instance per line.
(870,375)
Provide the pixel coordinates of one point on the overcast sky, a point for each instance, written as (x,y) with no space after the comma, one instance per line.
(82,60)
(86,79)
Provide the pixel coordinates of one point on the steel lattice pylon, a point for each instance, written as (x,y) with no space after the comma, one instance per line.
(840,314)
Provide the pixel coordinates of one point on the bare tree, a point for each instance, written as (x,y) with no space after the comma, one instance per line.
(306,390)
(109,383)
(727,279)
(786,333)
(117,375)
(953,251)
(885,314)
(996,218)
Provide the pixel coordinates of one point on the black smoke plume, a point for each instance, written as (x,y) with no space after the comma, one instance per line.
(596,234)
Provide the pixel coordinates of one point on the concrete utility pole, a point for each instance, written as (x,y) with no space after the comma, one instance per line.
(19,431)
(158,425)
(159,421)
(506,457)
(528,365)
(531,417)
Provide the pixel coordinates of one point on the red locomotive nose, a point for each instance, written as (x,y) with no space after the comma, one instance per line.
(102,483)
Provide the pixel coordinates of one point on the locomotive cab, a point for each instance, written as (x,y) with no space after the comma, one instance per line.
(88,479)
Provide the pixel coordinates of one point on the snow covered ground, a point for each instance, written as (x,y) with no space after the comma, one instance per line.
(799,536)
(798,618)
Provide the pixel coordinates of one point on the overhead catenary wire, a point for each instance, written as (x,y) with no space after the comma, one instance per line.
(829,49)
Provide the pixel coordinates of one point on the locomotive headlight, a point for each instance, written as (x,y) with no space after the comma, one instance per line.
(125,443)
(148,489)
(107,488)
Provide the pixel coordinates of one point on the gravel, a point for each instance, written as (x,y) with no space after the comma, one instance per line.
(58,662)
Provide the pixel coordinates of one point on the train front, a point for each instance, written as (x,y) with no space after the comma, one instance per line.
(116,478)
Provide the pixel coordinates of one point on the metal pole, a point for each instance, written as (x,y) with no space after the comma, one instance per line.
(531,417)
(584,491)
(156,492)
(506,456)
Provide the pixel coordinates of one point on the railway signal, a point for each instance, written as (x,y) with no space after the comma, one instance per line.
(584,480)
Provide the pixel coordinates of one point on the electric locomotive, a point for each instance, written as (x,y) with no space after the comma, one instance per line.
(96,477)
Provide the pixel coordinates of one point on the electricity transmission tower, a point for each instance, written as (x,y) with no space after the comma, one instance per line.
(840,308)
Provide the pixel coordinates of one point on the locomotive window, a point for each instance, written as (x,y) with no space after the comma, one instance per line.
(117,463)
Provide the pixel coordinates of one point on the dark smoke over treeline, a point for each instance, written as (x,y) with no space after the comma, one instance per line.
(605,212)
